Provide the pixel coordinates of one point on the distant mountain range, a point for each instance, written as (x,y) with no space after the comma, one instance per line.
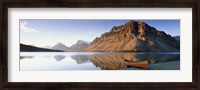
(60,46)
(80,45)
(29,48)
(131,36)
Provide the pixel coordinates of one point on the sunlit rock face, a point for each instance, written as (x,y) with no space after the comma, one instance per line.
(134,36)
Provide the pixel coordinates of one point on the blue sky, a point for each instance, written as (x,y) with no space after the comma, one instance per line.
(49,32)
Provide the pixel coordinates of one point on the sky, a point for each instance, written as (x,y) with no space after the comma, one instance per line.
(49,32)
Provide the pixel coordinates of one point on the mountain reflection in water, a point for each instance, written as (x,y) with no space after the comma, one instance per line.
(102,61)
(115,61)
(59,57)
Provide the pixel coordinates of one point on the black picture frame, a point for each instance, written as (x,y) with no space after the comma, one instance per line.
(194,4)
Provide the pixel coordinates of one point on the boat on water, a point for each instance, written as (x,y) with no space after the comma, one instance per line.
(137,64)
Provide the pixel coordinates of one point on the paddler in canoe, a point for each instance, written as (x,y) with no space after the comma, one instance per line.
(142,64)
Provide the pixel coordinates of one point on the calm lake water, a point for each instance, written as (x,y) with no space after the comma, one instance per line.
(52,61)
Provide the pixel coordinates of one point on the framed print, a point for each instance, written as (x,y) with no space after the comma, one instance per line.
(100,44)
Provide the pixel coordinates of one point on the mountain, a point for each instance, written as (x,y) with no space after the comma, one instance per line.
(79,46)
(177,38)
(134,36)
(29,48)
(88,42)
(60,46)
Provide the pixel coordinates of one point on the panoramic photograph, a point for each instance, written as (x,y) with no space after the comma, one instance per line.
(64,44)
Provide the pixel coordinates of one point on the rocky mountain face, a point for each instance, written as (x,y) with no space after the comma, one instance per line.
(134,36)
(60,46)
(177,38)
(79,46)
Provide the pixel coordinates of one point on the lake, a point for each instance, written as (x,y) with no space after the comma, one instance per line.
(57,61)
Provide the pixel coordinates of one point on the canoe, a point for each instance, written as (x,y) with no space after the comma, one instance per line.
(142,64)
(129,60)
